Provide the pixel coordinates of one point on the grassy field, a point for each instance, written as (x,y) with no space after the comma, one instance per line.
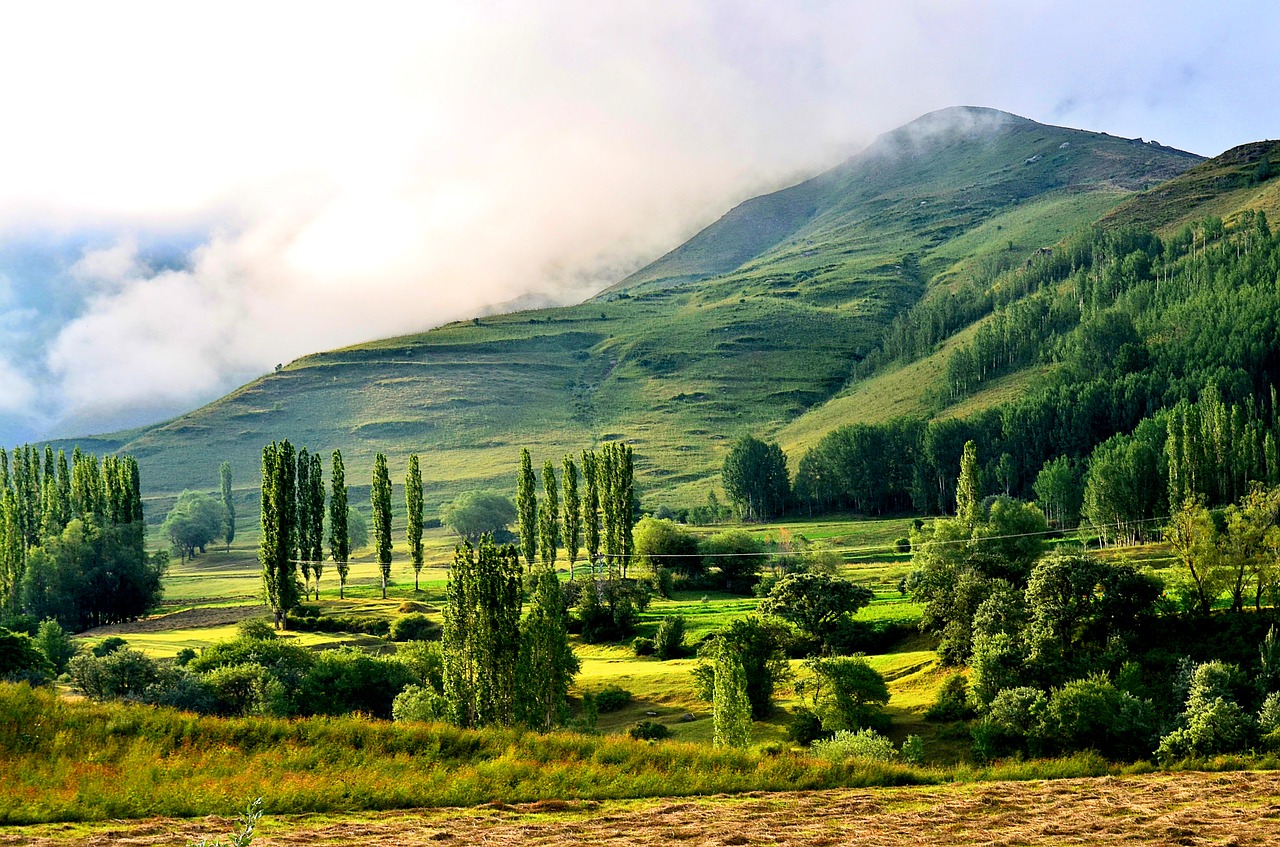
(1224,809)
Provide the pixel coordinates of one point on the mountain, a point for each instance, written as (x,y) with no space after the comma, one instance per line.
(749,324)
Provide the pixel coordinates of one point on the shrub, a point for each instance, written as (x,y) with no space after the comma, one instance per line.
(1092,714)
(120,674)
(419,703)
(669,642)
(246,689)
(260,629)
(1269,714)
(348,680)
(863,744)
(664,545)
(612,698)
(952,702)
(805,727)
(177,688)
(109,645)
(643,646)
(362,625)
(184,657)
(56,645)
(912,751)
(736,553)
(243,835)
(20,657)
(607,609)
(425,660)
(902,544)
(650,731)
(414,627)
(850,694)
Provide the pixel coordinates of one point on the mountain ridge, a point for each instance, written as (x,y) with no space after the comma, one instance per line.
(679,366)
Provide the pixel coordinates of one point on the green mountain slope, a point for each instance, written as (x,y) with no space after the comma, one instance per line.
(745,327)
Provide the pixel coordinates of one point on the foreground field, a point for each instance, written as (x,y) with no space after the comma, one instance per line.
(1239,808)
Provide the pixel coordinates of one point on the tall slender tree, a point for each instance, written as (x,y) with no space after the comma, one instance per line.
(591,509)
(277,547)
(413,506)
(380,497)
(731,712)
(572,512)
(546,664)
(549,516)
(339,544)
(228,503)
(969,487)
(527,509)
(315,536)
(303,553)
(481,639)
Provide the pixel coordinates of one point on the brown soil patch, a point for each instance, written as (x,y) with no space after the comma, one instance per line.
(1235,809)
(190,619)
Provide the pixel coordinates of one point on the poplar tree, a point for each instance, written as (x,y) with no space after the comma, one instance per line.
(591,509)
(413,506)
(339,545)
(481,638)
(12,551)
(64,488)
(527,509)
(315,536)
(549,516)
(968,487)
(303,495)
(380,497)
(731,709)
(547,663)
(277,546)
(572,512)
(224,473)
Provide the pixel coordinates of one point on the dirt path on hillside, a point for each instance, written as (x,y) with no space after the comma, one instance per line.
(189,619)
(1235,809)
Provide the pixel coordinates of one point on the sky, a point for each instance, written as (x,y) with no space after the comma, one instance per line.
(191,193)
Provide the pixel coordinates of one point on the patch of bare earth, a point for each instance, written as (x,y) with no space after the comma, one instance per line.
(201,618)
(1235,809)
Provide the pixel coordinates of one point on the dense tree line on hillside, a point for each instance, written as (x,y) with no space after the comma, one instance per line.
(1163,358)
(73,540)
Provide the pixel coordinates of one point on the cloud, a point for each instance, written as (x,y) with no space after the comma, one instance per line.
(17,392)
(360,175)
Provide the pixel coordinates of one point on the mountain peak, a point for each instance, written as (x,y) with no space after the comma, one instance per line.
(944,127)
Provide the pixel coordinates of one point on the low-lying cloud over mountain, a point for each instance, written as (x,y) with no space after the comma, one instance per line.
(188,197)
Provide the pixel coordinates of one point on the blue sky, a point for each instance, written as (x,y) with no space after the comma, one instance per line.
(190,194)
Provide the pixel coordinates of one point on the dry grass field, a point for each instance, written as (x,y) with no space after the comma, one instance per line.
(1240,808)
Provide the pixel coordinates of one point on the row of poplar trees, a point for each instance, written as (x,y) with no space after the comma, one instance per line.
(599,520)
(293,523)
(72,538)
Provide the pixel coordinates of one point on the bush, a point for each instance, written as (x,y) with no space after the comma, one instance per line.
(20,657)
(650,731)
(246,689)
(912,751)
(260,629)
(952,702)
(612,698)
(419,703)
(348,680)
(56,645)
(425,660)
(414,627)
(669,642)
(902,545)
(737,554)
(608,609)
(361,625)
(180,689)
(643,646)
(1092,714)
(805,727)
(850,694)
(184,657)
(120,674)
(863,744)
(664,545)
(109,645)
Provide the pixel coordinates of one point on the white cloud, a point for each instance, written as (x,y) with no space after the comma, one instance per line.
(17,392)
(385,170)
